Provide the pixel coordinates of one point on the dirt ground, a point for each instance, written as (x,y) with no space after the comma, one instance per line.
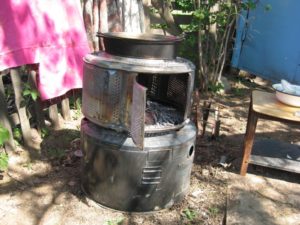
(42,186)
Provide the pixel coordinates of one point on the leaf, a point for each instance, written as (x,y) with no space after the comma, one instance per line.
(34,95)
(17,134)
(4,135)
(190,214)
(248,5)
(117,221)
(3,161)
(45,132)
(26,92)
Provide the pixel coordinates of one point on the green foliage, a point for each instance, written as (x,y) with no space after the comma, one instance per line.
(3,161)
(153,10)
(45,132)
(187,48)
(56,153)
(189,214)
(78,103)
(162,26)
(213,211)
(215,88)
(28,91)
(4,135)
(212,25)
(9,91)
(117,221)
(17,134)
(185,5)
(75,103)
(238,91)
(250,4)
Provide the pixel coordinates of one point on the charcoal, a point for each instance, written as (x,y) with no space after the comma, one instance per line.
(159,115)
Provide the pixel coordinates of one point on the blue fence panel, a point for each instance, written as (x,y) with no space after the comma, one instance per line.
(268,40)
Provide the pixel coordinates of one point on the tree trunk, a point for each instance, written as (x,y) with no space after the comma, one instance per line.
(111,16)
(164,9)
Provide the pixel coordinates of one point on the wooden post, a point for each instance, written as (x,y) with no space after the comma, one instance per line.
(248,140)
(199,115)
(216,123)
(21,108)
(77,97)
(4,119)
(53,116)
(206,111)
(39,115)
(65,108)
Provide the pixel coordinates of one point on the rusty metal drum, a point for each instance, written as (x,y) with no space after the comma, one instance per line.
(116,174)
(118,93)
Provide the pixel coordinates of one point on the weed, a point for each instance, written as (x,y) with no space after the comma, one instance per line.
(56,153)
(117,221)
(77,114)
(189,214)
(45,132)
(159,26)
(215,88)
(3,161)
(28,91)
(238,91)
(78,103)
(213,211)
(4,135)
(17,134)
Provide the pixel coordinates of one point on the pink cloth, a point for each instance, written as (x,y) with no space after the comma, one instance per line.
(48,32)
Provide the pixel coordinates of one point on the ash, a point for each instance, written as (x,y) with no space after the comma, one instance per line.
(161,116)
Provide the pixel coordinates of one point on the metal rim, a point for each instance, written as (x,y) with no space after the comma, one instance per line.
(150,38)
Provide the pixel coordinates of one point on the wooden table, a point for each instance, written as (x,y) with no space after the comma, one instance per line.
(264,105)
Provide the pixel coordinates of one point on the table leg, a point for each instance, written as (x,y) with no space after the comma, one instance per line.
(248,140)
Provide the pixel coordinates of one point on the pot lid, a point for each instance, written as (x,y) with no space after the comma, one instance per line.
(141,36)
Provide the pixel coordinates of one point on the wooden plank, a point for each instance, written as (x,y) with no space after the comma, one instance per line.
(53,116)
(266,103)
(4,119)
(276,154)
(65,109)
(21,109)
(39,115)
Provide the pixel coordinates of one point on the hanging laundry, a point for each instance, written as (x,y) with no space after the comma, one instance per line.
(48,32)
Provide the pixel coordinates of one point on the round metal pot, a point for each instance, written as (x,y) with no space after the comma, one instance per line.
(147,46)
